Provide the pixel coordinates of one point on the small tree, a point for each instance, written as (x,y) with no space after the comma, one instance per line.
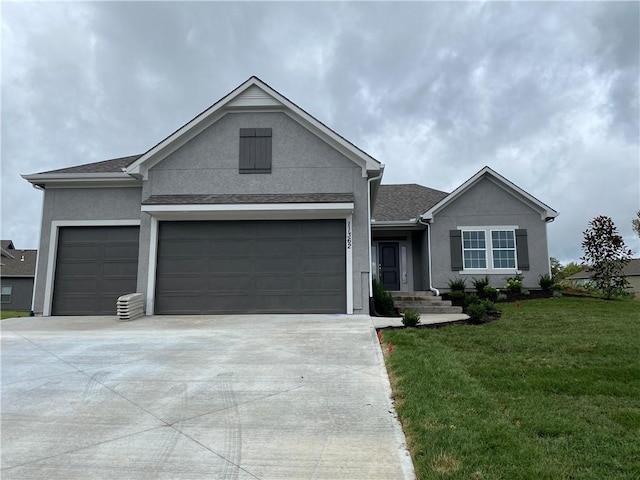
(635,223)
(606,254)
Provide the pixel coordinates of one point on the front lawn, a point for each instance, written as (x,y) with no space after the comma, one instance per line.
(549,391)
(12,314)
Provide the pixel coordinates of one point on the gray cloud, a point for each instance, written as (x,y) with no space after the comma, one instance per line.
(545,93)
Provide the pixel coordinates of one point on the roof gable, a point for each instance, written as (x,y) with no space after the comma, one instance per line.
(252,95)
(546,212)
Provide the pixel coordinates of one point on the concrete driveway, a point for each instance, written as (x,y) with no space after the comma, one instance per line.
(216,397)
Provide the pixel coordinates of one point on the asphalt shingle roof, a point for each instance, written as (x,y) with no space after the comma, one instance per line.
(105,166)
(404,202)
(248,198)
(632,269)
(23,263)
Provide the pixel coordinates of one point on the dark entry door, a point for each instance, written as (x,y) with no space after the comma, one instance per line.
(389,265)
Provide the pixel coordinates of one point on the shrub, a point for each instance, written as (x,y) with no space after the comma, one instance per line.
(477,313)
(471,299)
(514,285)
(457,298)
(546,282)
(458,285)
(480,283)
(383,300)
(491,293)
(410,318)
(501,297)
(489,306)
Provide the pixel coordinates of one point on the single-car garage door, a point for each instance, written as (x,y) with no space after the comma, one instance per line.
(251,267)
(94,266)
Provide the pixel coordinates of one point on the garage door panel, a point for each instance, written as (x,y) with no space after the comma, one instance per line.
(78,268)
(322,264)
(121,268)
(257,266)
(228,248)
(229,283)
(94,266)
(181,283)
(230,265)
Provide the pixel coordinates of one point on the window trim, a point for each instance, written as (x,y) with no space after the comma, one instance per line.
(490,269)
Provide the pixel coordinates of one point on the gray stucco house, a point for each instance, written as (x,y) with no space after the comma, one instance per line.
(256,206)
(17,270)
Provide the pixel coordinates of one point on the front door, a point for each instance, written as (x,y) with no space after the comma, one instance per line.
(389,265)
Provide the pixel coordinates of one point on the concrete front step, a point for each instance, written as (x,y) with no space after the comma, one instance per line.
(416,298)
(422,293)
(431,309)
(410,303)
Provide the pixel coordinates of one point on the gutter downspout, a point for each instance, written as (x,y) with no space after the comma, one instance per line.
(378,177)
(431,287)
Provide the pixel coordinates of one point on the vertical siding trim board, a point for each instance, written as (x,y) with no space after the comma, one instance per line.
(349,251)
(53,250)
(153,258)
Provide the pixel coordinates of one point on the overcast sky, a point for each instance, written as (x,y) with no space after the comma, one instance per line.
(546,94)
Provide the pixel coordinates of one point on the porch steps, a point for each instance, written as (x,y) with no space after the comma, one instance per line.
(423,302)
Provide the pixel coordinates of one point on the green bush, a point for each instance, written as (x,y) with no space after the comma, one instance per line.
(471,299)
(480,283)
(546,282)
(383,300)
(458,285)
(514,285)
(477,313)
(410,318)
(457,298)
(491,293)
(501,297)
(489,306)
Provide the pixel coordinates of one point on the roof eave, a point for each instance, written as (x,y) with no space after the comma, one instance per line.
(82,179)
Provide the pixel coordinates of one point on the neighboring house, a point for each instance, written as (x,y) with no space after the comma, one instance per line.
(254,206)
(17,269)
(631,272)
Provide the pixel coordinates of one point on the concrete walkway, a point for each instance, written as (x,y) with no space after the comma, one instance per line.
(426,319)
(224,397)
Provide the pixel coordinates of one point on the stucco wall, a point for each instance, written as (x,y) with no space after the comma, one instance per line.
(301,163)
(80,205)
(487,204)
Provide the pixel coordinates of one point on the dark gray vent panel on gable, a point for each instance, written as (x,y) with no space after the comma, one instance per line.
(255,150)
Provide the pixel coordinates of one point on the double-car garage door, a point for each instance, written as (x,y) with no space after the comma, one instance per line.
(251,267)
(207,267)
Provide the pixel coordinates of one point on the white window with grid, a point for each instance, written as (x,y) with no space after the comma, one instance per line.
(503,248)
(474,249)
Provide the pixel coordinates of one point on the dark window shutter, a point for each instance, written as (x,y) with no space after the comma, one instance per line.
(247,148)
(255,150)
(455,240)
(522,248)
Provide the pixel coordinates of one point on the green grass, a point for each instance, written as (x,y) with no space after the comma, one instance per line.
(549,391)
(12,314)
